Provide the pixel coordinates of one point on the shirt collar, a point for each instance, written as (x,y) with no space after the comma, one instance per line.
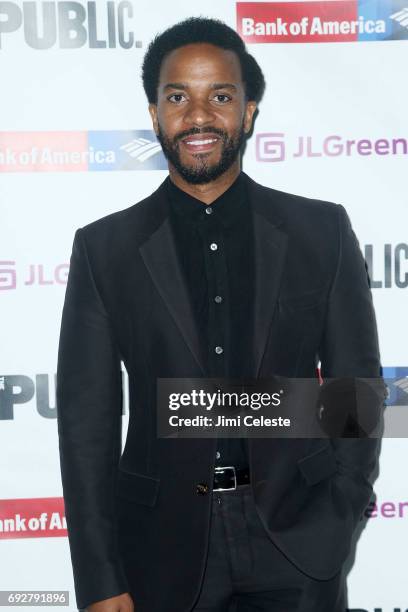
(229,207)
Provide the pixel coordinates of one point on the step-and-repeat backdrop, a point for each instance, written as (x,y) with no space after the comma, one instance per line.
(76,143)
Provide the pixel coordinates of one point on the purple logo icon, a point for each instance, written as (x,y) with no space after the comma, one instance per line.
(270,147)
(8,277)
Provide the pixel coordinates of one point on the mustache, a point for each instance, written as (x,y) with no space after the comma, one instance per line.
(195,131)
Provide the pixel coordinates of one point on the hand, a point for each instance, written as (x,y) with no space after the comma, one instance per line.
(120,603)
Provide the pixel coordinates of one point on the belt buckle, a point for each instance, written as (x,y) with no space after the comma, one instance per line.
(222,469)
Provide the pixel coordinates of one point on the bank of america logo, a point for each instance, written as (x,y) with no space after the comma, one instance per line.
(396,379)
(141,148)
(402,384)
(401,17)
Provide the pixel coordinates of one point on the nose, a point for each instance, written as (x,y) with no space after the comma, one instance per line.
(199,113)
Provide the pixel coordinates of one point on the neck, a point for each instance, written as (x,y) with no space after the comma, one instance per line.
(208,192)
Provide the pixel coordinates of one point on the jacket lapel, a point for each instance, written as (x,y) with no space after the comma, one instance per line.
(160,257)
(270,243)
(270,246)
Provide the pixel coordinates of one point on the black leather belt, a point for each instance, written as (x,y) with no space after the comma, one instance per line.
(229,477)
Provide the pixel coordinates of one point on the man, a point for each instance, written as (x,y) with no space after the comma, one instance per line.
(213,275)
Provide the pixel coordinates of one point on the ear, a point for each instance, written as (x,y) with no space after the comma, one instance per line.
(249,113)
(153,115)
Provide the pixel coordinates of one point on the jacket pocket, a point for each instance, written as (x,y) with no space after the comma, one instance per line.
(319,465)
(304,300)
(357,491)
(137,488)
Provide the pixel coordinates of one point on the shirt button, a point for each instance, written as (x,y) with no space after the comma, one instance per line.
(213,246)
(208,210)
(218,299)
(218,350)
(218,454)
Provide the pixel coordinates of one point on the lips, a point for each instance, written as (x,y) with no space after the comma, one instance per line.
(200,142)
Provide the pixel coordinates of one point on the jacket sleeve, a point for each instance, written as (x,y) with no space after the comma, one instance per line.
(89,406)
(349,349)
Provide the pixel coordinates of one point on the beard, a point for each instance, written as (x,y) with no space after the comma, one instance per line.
(203,171)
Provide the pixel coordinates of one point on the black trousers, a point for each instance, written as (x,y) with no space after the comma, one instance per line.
(246,572)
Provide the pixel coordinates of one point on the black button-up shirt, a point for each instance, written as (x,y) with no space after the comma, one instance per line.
(215,248)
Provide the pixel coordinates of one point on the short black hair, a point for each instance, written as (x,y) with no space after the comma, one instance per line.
(200,30)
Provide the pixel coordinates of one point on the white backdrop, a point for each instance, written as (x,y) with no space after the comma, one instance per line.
(74,146)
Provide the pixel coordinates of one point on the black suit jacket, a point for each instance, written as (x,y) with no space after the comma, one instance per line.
(137,522)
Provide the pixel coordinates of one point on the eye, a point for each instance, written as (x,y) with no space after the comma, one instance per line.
(225,97)
(175,98)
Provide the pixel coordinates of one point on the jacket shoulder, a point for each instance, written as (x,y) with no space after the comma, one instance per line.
(292,205)
(308,219)
(134,222)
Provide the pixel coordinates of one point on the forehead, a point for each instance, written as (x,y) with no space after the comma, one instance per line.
(200,62)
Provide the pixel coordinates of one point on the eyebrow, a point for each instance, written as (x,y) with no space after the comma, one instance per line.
(213,86)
